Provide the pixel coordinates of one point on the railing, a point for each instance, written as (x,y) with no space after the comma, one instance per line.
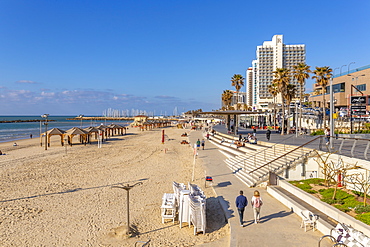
(286,154)
(340,146)
(264,151)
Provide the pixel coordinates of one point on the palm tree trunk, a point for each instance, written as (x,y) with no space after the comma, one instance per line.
(283,115)
(274,113)
(288,120)
(323,108)
(300,110)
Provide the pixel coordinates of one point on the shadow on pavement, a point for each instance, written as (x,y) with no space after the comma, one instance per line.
(224,184)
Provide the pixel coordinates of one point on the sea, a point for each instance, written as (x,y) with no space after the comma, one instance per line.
(23,130)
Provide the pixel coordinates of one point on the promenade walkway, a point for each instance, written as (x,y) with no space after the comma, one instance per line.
(279,226)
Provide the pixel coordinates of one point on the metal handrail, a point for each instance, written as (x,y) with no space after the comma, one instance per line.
(285,155)
(263,150)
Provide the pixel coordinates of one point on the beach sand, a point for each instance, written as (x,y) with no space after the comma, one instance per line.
(63,196)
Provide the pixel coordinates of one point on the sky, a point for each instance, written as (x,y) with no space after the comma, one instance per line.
(76,57)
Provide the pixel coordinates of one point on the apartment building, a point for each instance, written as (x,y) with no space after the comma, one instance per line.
(270,56)
(354,83)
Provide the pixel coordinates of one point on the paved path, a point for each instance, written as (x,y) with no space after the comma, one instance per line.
(278,227)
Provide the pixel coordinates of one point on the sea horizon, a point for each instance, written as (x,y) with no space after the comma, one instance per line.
(13,131)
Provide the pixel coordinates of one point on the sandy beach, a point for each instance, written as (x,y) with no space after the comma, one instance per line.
(63,196)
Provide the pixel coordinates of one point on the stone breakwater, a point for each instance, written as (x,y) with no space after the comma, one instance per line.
(25,121)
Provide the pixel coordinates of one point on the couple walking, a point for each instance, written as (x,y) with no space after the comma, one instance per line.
(242,202)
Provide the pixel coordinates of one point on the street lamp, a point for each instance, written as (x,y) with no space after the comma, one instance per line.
(350,100)
(46,129)
(81,116)
(331,118)
(127,187)
(340,74)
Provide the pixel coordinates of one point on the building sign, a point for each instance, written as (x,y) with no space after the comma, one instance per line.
(358,99)
(358,112)
(358,107)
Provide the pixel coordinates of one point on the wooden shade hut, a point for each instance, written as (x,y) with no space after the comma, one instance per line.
(117,129)
(49,133)
(105,131)
(76,131)
(91,131)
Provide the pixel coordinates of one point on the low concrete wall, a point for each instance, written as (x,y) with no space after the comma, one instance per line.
(330,211)
(323,226)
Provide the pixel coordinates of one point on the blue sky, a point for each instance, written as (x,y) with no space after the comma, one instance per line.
(75,57)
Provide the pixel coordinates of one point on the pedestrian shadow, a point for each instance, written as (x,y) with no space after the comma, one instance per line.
(280,214)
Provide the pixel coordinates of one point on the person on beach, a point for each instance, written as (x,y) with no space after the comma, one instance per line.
(268,134)
(198,144)
(31,136)
(203,143)
(256,203)
(241,203)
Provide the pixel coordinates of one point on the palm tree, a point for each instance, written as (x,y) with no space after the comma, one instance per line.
(237,81)
(227,98)
(282,79)
(322,76)
(289,95)
(301,72)
(273,90)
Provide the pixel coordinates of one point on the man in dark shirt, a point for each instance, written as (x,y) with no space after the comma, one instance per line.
(241,203)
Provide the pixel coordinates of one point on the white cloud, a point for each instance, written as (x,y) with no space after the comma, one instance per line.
(47,94)
(26,82)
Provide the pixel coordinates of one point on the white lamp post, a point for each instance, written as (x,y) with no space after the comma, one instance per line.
(46,130)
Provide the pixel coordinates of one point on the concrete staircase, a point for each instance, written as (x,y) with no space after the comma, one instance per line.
(252,164)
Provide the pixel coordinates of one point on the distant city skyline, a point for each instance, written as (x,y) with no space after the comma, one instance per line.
(83,57)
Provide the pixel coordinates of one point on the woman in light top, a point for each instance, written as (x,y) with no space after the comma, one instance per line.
(256,203)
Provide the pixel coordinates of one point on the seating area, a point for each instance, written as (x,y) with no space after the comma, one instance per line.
(309,219)
(187,204)
(168,208)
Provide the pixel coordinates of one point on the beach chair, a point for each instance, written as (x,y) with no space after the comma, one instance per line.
(308,219)
(168,208)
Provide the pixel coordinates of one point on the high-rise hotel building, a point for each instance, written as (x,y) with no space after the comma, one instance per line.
(270,56)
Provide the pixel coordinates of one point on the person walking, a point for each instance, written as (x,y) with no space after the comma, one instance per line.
(327,135)
(254,131)
(203,142)
(198,144)
(268,134)
(241,203)
(256,203)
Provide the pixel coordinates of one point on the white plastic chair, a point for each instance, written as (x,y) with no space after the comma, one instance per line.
(308,219)
(168,207)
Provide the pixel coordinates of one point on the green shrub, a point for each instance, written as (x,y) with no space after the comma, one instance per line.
(340,195)
(364,218)
(351,202)
(329,201)
(317,132)
(342,208)
(358,193)
(311,191)
(362,209)
(304,186)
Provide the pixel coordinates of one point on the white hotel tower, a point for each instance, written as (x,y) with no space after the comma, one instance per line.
(271,55)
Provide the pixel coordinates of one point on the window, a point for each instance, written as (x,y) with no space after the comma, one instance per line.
(361,87)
